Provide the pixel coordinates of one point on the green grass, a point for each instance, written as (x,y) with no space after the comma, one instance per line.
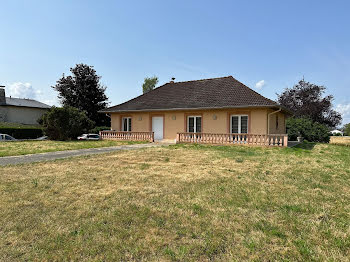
(34,147)
(180,203)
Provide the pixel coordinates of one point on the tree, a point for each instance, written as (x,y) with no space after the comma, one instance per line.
(84,91)
(65,123)
(305,127)
(306,100)
(346,129)
(149,84)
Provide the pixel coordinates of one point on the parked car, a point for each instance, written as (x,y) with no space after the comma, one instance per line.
(42,138)
(92,137)
(5,137)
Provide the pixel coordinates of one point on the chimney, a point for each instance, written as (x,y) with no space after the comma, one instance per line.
(172,80)
(2,95)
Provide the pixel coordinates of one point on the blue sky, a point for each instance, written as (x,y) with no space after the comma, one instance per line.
(274,43)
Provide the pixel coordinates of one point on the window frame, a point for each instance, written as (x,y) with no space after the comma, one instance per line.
(239,123)
(127,124)
(194,123)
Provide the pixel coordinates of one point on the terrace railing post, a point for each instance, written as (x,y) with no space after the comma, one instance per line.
(285,142)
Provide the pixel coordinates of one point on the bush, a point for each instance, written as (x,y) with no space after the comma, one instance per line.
(97,129)
(309,130)
(22,133)
(65,123)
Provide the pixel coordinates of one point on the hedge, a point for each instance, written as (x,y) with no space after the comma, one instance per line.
(22,133)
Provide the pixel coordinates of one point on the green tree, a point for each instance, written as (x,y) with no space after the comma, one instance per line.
(149,84)
(346,129)
(307,100)
(65,123)
(84,91)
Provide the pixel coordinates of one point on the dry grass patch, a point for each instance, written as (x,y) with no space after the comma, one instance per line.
(180,203)
(34,147)
(340,140)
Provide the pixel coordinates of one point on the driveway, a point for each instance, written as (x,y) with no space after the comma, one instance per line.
(13,160)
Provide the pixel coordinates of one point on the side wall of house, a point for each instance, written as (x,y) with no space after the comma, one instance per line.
(213,121)
(23,115)
(277,123)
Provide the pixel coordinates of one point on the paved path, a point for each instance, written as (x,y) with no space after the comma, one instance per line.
(13,160)
(293,143)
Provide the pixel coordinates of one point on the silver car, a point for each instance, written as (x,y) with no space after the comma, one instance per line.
(5,137)
(90,137)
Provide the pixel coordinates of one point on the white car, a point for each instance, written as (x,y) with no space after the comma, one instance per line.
(5,137)
(93,137)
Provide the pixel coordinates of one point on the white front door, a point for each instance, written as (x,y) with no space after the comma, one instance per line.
(157,127)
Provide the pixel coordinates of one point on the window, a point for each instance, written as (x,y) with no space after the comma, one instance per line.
(194,124)
(8,137)
(276,121)
(126,124)
(239,124)
(93,136)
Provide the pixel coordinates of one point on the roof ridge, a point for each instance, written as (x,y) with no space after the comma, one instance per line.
(10,97)
(204,79)
(25,102)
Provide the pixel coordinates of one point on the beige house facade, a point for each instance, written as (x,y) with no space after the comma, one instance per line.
(259,121)
(210,106)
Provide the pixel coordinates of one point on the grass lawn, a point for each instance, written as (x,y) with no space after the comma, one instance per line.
(192,203)
(34,147)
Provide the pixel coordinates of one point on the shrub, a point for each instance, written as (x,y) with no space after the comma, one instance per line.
(97,129)
(22,133)
(309,130)
(65,123)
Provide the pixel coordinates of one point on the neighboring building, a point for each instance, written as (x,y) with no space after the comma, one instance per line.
(219,105)
(23,111)
(336,132)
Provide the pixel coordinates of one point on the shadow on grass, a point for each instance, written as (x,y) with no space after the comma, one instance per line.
(305,145)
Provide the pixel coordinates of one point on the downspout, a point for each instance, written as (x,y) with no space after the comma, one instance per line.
(268,119)
(108,115)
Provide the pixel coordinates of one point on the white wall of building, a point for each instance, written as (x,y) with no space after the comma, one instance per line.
(22,115)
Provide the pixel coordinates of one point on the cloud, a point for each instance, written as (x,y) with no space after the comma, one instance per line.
(22,90)
(260,84)
(344,110)
(26,90)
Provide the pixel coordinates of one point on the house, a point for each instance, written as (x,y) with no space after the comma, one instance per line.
(217,110)
(23,111)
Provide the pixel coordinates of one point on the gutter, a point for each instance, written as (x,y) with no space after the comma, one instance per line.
(198,108)
(268,119)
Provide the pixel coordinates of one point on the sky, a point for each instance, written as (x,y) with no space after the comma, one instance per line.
(268,45)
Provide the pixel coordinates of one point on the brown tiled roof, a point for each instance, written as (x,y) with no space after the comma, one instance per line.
(223,92)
